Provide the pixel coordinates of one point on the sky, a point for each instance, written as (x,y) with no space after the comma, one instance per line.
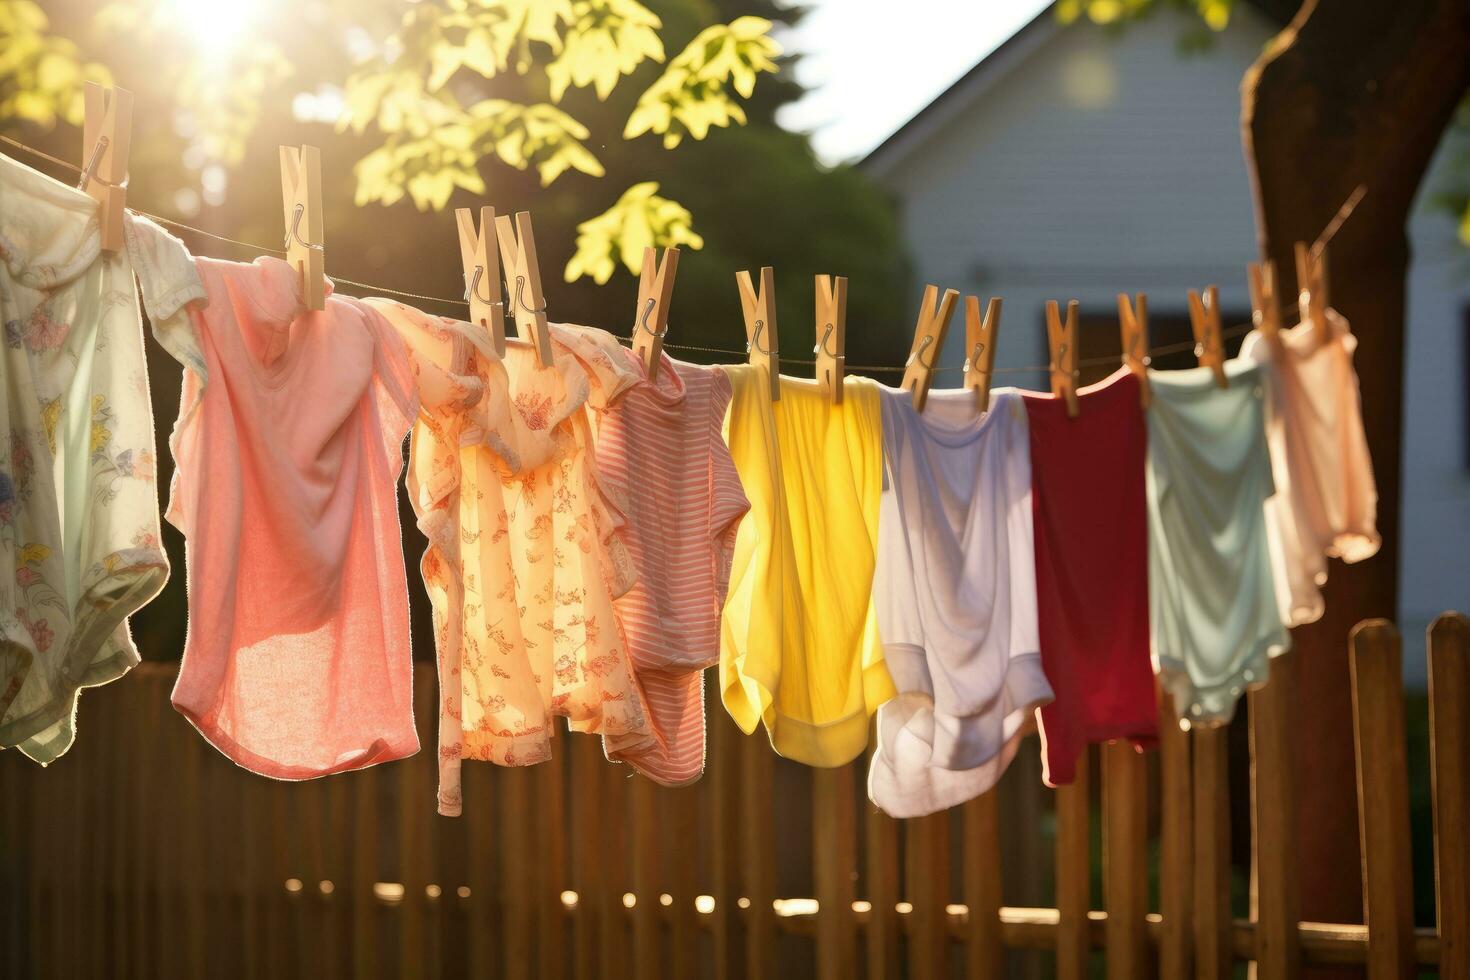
(870,65)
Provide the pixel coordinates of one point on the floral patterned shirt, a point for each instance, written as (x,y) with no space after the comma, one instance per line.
(524,560)
(79,530)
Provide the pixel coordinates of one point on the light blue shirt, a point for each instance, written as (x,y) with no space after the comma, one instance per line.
(1212,603)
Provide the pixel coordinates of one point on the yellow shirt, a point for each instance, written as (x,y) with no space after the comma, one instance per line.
(799,635)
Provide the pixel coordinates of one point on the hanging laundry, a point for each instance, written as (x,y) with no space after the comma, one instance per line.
(1326,501)
(523,562)
(79,528)
(1087,479)
(605,361)
(955,589)
(662,456)
(288,449)
(1212,598)
(799,635)
(448,359)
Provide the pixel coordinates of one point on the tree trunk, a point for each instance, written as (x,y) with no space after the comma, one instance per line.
(1351,92)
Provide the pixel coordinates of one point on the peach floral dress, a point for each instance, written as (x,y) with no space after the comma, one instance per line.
(524,560)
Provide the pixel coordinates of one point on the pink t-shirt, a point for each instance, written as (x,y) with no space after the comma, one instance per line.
(297,662)
(662,457)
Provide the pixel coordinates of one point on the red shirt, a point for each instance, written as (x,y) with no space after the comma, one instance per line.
(1087,488)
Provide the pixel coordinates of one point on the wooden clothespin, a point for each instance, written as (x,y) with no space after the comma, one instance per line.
(1133,323)
(1311,281)
(1061,338)
(831,323)
(522,274)
(655,290)
(301,192)
(1265,300)
(761,338)
(106,141)
(480,257)
(929,334)
(980,345)
(1204,317)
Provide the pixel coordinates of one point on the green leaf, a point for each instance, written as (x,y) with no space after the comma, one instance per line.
(640,219)
(607,40)
(691,96)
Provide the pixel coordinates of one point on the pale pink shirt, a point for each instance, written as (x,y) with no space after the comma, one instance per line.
(297,661)
(1326,501)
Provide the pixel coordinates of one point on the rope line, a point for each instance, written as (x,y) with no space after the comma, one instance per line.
(208,234)
(398,292)
(1233,331)
(1100,361)
(42,154)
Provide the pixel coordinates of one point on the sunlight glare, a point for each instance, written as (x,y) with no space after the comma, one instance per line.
(216,26)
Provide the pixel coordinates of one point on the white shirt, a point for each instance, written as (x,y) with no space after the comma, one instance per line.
(955,589)
(79,534)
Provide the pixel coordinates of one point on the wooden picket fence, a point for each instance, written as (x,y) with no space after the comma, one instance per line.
(145,853)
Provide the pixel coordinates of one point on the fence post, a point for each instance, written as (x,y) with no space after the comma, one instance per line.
(984,951)
(191,856)
(926,872)
(595,901)
(1212,918)
(616,874)
(759,862)
(834,852)
(881,874)
(517,803)
(551,850)
(681,861)
(1275,898)
(1073,874)
(1176,844)
(1125,858)
(364,830)
(418,836)
(647,929)
(724,770)
(1383,797)
(1449,752)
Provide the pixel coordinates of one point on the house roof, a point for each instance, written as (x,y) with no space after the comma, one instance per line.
(987,72)
(970,86)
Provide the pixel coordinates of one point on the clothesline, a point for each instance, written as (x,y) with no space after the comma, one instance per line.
(597,539)
(1236,330)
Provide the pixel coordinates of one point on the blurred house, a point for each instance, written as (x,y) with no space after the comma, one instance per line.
(1075,162)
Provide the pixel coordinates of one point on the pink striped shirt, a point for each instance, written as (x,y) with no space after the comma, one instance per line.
(662,458)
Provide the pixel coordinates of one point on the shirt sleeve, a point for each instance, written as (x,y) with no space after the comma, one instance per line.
(169,282)
(438,355)
(395,395)
(610,368)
